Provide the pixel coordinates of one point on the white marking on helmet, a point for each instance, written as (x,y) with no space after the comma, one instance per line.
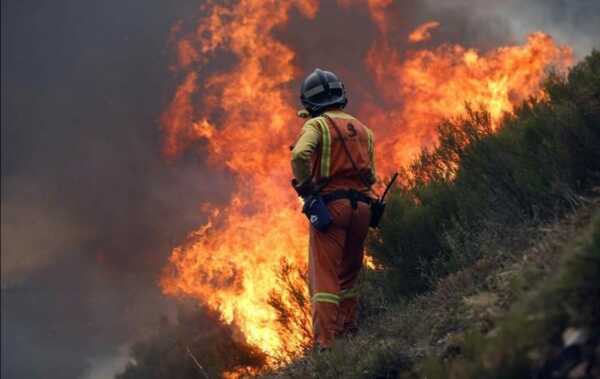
(314,91)
(335,85)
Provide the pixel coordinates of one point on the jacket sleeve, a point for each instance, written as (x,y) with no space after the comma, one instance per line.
(303,150)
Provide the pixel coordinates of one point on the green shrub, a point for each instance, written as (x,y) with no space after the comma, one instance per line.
(199,345)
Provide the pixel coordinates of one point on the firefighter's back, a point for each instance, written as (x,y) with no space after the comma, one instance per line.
(345,159)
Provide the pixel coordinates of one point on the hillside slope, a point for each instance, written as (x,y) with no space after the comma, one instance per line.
(500,318)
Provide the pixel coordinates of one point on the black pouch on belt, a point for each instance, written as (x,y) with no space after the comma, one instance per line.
(317,213)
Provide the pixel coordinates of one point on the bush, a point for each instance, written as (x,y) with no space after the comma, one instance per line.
(199,345)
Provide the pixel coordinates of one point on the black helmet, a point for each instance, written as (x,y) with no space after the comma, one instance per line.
(321,90)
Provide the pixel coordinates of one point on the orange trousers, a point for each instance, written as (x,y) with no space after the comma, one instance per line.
(335,261)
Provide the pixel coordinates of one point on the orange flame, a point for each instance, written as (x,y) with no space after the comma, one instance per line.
(422,87)
(244,115)
(230,263)
(423,32)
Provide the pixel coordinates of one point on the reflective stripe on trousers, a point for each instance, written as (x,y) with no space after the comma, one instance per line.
(335,298)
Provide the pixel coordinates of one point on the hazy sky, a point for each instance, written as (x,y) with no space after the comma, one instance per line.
(90,209)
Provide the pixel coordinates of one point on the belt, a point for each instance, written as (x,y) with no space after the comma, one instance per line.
(352,195)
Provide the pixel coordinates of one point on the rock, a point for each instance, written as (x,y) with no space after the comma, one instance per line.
(481,300)
(573,336)
(578,371)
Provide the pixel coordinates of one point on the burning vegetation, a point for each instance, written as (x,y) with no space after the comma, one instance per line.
(244,114)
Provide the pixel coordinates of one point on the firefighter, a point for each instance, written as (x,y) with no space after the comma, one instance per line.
(333,158)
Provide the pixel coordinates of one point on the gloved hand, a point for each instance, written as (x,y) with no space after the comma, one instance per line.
(303,190)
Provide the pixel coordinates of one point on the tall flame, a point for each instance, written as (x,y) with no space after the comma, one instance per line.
(245,115)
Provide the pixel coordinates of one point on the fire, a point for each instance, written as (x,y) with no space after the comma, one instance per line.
(231,263)
(423,32)
(246,116)
(422,87)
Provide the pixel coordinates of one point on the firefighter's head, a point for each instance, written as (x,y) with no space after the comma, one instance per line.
(321,91)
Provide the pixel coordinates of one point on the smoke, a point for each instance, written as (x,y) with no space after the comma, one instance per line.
(90,209)
(108,366)
(34,235)
(575,23)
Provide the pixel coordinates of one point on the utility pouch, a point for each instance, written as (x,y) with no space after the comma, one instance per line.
(317,213)
(377,209)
